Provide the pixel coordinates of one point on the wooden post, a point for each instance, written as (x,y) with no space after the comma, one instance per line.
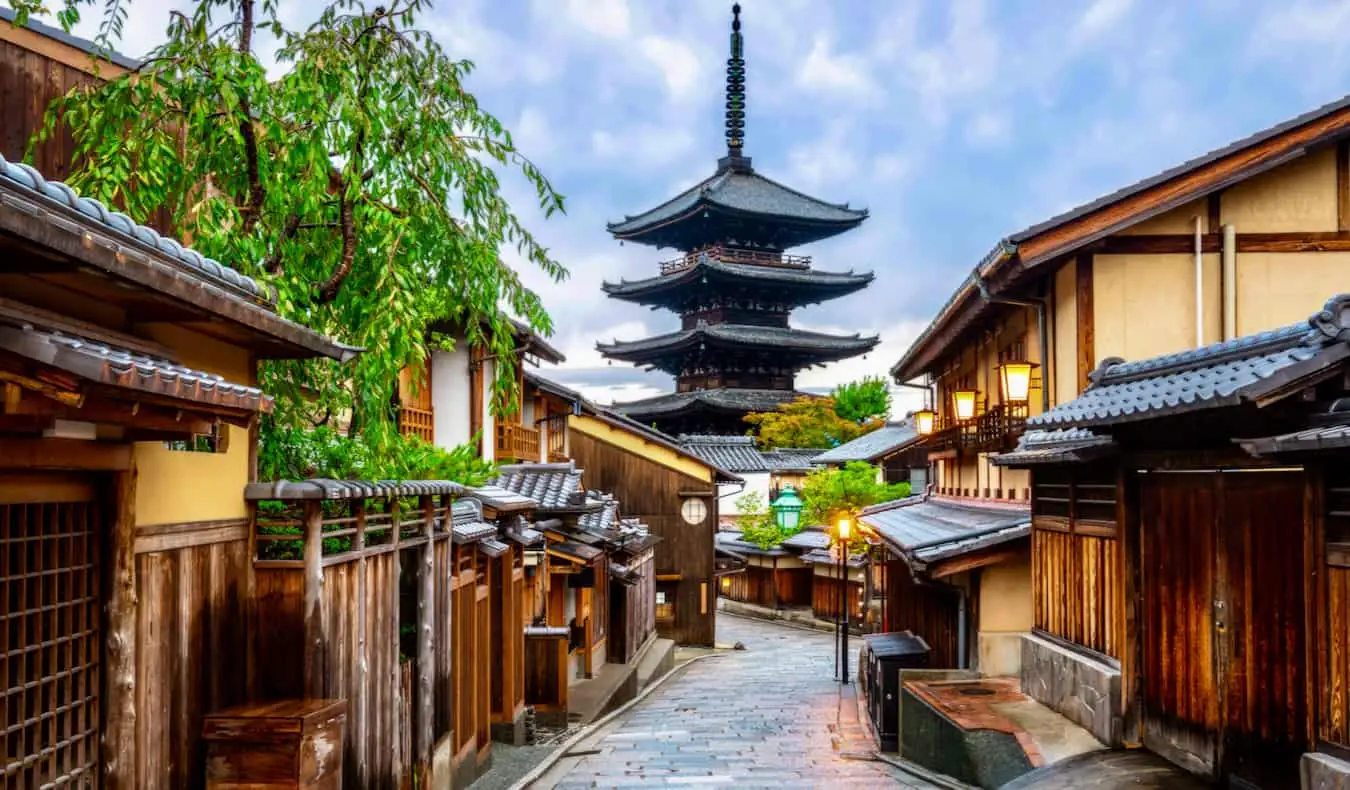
(119,680)
(314,647)
(426,644)
(358,716)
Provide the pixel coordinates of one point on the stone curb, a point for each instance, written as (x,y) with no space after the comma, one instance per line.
(777,621)
(919,772)
(588,730)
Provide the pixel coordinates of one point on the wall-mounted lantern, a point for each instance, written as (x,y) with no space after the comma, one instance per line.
(964,401)
(1015,378)
(924,420)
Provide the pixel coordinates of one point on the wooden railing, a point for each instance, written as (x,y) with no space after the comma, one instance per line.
(736,255)
(557,438)
(995,430)
(416,422)
(517,442)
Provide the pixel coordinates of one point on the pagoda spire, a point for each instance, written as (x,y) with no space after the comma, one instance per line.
(735,120)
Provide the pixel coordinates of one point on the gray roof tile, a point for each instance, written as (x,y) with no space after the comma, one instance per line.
(791,459)
(1066,445)
(554,486)
(837,283)
(733,453)
(929,528)
(1222,374)
(871,446)
(324,488)
(828,557)
(808,539)
(726,399)
(783,338)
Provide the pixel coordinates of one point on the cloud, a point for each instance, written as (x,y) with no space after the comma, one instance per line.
(838,76)
(1100,18)
(675,61)
(606,18)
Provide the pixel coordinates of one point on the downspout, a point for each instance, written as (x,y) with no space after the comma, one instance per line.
(1039,304)
(1229,282)
(1199,284)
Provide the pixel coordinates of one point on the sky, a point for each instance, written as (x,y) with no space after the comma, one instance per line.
(954,122)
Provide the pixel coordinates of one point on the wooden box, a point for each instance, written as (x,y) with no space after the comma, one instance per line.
(281,745)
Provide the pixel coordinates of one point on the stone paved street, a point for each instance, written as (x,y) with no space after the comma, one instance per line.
(761,718)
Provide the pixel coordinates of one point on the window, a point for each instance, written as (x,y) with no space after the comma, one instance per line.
(665,606)
(217,441)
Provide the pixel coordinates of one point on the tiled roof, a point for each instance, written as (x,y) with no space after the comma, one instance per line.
(732,541)
(1066,445)
(804,281)
(791,459)
(554,486)
(605,518)
(746,192)
(724,399)
(502,499)
(808,539)
(1322,437)
(1223,374)
(618,419)
(124,369)
(205,268)
(871,446)
(492,548)
(827,557)
(929,528)
(826,346)
(467,524)
(324,488)
(735,453)
(577,552)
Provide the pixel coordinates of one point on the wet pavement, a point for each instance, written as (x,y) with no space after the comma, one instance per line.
(771,716)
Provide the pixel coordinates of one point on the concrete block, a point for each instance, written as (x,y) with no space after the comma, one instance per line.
(1083,690)
(1324,772)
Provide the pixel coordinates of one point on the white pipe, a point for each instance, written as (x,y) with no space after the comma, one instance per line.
(1199,285)
(1229,282)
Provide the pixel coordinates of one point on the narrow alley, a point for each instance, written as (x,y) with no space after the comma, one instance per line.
(763,717)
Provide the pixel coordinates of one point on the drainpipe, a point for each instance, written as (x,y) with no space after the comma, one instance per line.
(1199,284)
(1039,305)
(1229,282)
(962,649)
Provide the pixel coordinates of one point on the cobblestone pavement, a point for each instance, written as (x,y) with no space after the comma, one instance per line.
(762,718)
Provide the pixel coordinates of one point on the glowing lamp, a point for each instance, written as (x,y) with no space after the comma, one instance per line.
(965,404)
(845,527)
(1016,380)
(924,420)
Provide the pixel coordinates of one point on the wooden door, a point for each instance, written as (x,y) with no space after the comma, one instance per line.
(50,648)
(1179,525)
(1224,643)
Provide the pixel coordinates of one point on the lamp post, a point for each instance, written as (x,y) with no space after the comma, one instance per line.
(787,514)
(843,530)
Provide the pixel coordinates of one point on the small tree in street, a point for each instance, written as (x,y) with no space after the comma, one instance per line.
(863,400)
(807,422)
(831,494)
(362,183)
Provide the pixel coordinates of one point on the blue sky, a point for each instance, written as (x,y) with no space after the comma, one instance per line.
(955,122)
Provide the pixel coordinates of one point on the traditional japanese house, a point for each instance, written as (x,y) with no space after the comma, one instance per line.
(774,578)
(1188,539)
(734,287)
(128,369)
(895,449)
(763,472)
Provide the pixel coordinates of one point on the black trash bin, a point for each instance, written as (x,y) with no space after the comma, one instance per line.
(887,654)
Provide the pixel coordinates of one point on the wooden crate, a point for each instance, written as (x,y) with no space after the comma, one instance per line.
(282,745)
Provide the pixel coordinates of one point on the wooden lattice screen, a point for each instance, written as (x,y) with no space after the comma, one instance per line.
(49,644)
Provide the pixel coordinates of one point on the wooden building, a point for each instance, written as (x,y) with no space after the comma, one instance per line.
(763,472)
(734,286)
(773,578)
(1189,560)
(127,364)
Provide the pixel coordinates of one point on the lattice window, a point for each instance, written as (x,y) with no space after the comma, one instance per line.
(49,645)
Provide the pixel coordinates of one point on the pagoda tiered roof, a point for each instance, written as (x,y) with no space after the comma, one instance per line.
(726,401)
(790,347)
(738,203)
(691,281)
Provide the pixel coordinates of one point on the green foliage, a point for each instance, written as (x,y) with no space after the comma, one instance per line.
(862,400)
(807,422)
(363,183)
(830,494)
(291,453)
(757,523)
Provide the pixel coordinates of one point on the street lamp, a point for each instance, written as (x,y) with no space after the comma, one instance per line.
(923,421)
(964,401)
(787,510)
(843,531)
(1016,380)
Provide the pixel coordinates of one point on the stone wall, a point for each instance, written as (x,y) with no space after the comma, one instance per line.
(1085,691)
(1324,772)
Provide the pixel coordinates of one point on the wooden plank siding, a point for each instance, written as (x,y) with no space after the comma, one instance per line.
(651,492)
(825,598)
(930,611)
(632,613)
(1075,560)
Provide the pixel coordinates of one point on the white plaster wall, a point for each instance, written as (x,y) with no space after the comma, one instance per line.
(450,396)
(728,494)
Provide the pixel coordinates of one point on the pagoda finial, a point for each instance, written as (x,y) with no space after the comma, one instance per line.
(736,88)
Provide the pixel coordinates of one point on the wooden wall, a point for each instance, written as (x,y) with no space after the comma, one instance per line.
(825,598)
(788,588)
(929,611)
(192,644)
(650,492)
(632,612)
(29,81)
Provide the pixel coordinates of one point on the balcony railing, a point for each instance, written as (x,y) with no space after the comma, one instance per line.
(416,422)
(517,442)
(995,430)
(736,255)
(557,438)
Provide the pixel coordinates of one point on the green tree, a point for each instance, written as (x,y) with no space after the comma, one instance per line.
(831,494)
(863,400)
(363,183)
(757,524)
(807,422)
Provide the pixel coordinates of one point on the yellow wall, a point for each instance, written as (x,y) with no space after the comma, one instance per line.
(636,444)
(1178,220)
(1005,597)
(1064,318)
(1275,289)
(1144,305)
(1300,196)
(175,486)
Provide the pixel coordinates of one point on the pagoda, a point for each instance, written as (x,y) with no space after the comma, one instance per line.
(734,286)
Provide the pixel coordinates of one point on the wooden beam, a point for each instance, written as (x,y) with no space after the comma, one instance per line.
(313,616)
(425,741)
(119,679)
(1087,353)
(1184,243)
(72,454)
(1214,206)
(1229,169)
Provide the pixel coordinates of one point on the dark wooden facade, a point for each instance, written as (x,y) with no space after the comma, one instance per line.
(931,611)
(774,588)
(632,609)
(654,493)
(826,601)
